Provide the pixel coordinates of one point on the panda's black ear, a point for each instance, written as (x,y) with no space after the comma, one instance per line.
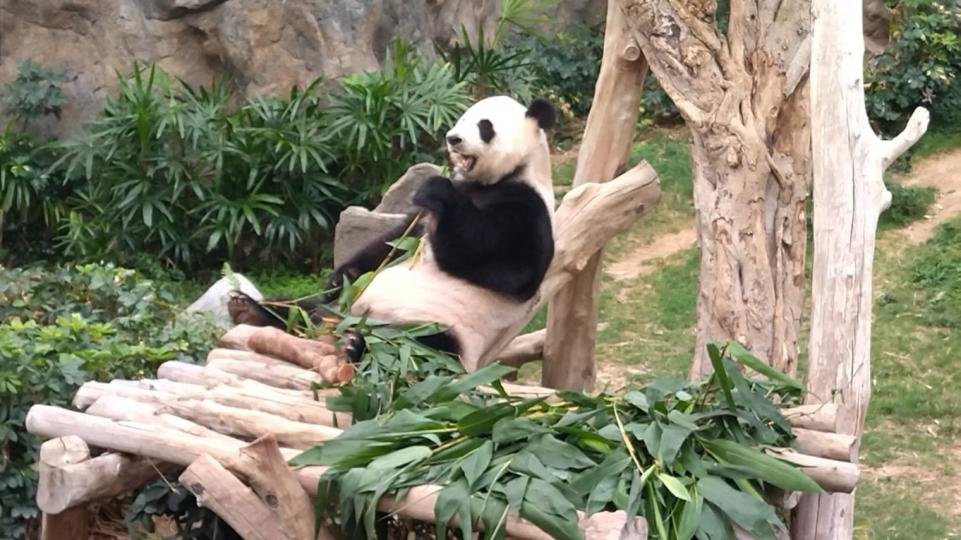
(541,110)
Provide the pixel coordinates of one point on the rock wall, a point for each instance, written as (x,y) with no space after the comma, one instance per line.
(264,45)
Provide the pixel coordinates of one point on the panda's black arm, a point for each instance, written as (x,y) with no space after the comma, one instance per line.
(370,257)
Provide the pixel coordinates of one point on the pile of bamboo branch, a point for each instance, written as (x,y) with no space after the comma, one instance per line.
(203,417)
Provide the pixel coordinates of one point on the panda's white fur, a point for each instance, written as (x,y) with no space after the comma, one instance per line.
(420,291)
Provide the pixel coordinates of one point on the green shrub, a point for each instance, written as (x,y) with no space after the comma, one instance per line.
(34,93)
(565,66)
(938,271)
(31,199)
(62,326)
(908,203)
(174,171)
(385,121)
(921,66)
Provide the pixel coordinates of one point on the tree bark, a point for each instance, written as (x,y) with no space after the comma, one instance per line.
(849,195)
(572,313)
(743,95)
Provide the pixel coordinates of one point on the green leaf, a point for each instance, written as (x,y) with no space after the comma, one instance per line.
(685,525)
(751,513)
(720,374)
(527,463)
(481,422)
(457,451)
(713,524)
(601,494)
(613,465)
(515,491)
(476,463)
(766,468)
(508,430)
(745,357)
(558,527)
(400,458)
(638,400)
(557,454)
(485,375)
(672,438)
(453,500)
(674,486)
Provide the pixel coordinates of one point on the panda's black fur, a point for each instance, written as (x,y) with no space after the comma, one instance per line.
(495,234)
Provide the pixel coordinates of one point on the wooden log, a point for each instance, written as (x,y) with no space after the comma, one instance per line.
(69,477)
(318,356)
(239,354)
(194,374)
(606,145)
(827,445)
(71,524)
(215,419)
(817,417)
(299,407)
(832,475)
(522,349)
(266,471)
(220,491)
(280,375)
(211,376)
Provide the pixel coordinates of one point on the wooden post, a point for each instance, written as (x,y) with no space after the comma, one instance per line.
(849,195)
(572,313)
(65,523)
(72,524)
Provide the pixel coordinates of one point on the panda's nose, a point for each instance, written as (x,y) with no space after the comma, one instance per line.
(453,140)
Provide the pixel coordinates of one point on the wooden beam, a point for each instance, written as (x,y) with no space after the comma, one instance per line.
(608,135)
(523,349)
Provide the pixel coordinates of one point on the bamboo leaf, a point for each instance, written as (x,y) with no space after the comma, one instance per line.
(674,486)
(476,463)
(744,356)
(767,468)
(720,374)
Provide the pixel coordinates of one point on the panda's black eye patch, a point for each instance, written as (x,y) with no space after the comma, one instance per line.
(486,130)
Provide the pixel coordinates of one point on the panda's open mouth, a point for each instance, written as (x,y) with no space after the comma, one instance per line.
(462,162)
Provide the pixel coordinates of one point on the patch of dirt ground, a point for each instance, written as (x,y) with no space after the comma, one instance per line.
(638,261)
(943,172)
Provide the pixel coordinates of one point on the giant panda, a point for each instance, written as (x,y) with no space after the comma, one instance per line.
(487,233)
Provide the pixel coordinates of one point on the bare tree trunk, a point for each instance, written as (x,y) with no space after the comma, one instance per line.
(572,313)
(849,195)
(743,96)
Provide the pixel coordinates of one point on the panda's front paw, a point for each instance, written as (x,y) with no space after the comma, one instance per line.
(434,193)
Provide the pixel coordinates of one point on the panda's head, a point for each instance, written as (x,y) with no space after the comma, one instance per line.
(496,135)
